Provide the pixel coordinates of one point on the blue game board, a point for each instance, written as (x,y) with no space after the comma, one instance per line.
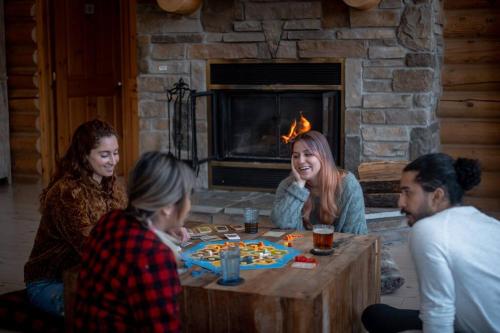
(206,255)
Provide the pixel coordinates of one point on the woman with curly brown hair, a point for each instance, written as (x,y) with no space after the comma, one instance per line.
(83,188)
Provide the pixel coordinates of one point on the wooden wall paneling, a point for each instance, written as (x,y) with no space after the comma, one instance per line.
(5,161)
(466,104)
(22,121)
(23,105)
(129,81)
(489,205)
(15,93)
(472,4)
(471,77)
(24,153)
(25,165)
(472,23)
(488,186)
(26,81)
(23,84)
(19,8)
(471,51)
(469,109)
(470,131)
(19,32)
(488,155)
(20,55)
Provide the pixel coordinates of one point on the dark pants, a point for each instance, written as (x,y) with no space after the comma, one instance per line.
(382,318)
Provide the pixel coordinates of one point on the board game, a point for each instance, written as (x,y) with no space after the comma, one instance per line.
(255,254)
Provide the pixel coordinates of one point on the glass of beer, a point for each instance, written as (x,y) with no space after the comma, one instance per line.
(251,217)
(323,237)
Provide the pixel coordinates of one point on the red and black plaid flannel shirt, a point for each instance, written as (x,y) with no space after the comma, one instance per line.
(128,280)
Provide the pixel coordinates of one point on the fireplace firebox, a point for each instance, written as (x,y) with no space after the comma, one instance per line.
(254,105)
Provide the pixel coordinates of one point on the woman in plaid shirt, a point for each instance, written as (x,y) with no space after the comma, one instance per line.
(128,280)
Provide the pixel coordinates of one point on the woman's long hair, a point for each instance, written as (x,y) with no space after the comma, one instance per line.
(329,178)
(158,180)
(74,162)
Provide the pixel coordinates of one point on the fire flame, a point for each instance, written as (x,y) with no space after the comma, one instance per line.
(296,129)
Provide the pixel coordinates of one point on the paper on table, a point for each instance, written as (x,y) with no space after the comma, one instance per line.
(272,233)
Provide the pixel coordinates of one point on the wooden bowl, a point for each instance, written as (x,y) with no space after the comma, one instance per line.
(183,7)
(362,4)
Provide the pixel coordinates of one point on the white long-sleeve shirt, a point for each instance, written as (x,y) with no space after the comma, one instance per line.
(457,258)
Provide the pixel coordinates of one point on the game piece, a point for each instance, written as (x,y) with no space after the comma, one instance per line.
(232,236)
(221,228)
(302,258)
(290,244)
(204,230)
(292,236)
(237,227)
(247,259)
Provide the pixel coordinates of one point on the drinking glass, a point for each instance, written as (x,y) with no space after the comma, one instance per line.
(323,237)
(251,218)
(230,262)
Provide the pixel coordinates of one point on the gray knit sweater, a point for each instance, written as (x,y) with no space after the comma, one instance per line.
(290,198)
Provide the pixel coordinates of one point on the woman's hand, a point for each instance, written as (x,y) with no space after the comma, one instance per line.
(301,182)
(179,233)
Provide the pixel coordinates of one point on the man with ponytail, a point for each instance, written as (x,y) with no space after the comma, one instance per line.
(455,250)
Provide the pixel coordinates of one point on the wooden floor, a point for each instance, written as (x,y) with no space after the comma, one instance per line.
(19,220)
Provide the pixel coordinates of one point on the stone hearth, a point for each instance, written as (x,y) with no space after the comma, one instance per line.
(392,57)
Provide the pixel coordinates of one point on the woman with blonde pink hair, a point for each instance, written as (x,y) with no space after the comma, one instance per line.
(317,192)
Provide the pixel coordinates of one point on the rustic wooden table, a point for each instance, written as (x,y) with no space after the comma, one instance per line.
(329,298)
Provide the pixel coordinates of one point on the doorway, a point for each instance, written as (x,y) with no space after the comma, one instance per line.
(90,72)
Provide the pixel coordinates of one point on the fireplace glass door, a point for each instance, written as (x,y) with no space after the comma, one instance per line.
(250,123)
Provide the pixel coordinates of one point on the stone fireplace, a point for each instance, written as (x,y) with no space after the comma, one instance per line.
(256,103)
(383,108)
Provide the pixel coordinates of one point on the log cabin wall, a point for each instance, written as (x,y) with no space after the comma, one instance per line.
(469,109)
(5,173)
(22,84)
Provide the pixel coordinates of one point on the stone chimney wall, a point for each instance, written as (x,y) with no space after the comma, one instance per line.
(393,56)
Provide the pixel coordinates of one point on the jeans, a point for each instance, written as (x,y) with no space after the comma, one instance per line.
(382,318)
(47,295)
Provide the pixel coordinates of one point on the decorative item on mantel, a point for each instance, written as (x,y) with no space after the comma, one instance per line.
(362,4)
(183,7)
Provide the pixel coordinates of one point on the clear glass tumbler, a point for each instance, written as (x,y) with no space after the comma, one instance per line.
(230,262)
